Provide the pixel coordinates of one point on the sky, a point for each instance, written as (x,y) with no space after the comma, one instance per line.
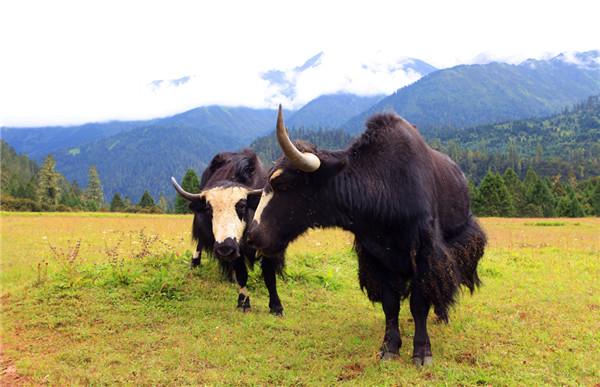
(70,62)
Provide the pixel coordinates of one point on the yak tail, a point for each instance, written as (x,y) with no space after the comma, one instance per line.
(443,266)
(467,248)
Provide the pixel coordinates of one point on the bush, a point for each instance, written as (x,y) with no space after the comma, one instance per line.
(9,203)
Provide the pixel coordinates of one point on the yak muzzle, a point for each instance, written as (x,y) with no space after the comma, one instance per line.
(227,250)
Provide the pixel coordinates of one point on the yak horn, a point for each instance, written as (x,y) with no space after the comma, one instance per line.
(304,161)
(187,195)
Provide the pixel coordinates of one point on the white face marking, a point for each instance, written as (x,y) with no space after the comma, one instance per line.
(265,198)
(225,220)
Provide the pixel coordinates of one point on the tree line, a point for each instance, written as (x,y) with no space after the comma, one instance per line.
(27,187)
(507,195)
(550,167)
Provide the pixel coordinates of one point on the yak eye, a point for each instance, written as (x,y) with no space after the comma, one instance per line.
(199,206)
(240,208)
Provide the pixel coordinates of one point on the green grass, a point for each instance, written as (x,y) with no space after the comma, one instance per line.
(126,309)
(549,224)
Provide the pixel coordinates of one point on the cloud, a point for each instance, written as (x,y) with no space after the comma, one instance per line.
(67,62)
(365,73)
(589,59)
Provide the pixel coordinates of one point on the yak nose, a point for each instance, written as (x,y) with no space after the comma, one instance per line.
(224,251)
(227,249)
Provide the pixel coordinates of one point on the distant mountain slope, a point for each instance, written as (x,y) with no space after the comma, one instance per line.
(146,157)
(572,135)
(268,148)
(331,111)
(470,95)
(563,144)
(38,142)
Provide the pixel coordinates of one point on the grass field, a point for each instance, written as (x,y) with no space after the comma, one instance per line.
(122,306)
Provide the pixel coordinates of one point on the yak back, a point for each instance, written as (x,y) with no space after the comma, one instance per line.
(243,167)
(400,179)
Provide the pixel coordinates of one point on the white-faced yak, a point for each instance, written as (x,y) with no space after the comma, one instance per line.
(222,210)
(406,204)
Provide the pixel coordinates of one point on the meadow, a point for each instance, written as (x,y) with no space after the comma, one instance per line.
(109,298)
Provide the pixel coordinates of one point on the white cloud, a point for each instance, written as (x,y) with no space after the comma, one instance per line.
(74,61)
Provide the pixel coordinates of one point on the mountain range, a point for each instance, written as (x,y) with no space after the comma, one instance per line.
(145,157)
(469,95)
(134,156)
(331,111)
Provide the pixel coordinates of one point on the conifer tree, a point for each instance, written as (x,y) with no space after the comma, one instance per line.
(128,202)
(516,189)
(595,199)
(569,205)
(146,201)
(117,204)
(494,198)
(163,203)
(191,184)
(71,196)
(531,177)
(48,184)
(93,192)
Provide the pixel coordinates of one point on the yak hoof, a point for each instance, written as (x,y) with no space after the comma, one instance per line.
(243,303)
(385,356)
(422,362)
(194,263)
(277,311)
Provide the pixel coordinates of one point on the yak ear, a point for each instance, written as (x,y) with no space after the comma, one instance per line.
(332,164)
(253,198)
(198,205)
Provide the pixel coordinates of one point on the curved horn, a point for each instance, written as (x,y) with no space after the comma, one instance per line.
(304,161)
(184,193)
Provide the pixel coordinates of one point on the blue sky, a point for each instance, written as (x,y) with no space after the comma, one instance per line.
(67,62)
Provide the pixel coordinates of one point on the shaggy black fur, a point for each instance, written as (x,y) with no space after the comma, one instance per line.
(409,209)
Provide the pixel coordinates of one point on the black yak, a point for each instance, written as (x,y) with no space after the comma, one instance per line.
(222,210)
(406,204)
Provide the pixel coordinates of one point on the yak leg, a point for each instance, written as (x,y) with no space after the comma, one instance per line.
(241,276)
(419,308)
(268,270)
(390,300)
(196,257)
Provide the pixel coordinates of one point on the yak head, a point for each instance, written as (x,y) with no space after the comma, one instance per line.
(295,197)
(221,214)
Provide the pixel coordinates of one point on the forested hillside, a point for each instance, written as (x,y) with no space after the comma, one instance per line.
(469,95)
(330,111)
(18,172)
(268,149)
(145,158)
(564,144)
(38,142)
(239,124)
